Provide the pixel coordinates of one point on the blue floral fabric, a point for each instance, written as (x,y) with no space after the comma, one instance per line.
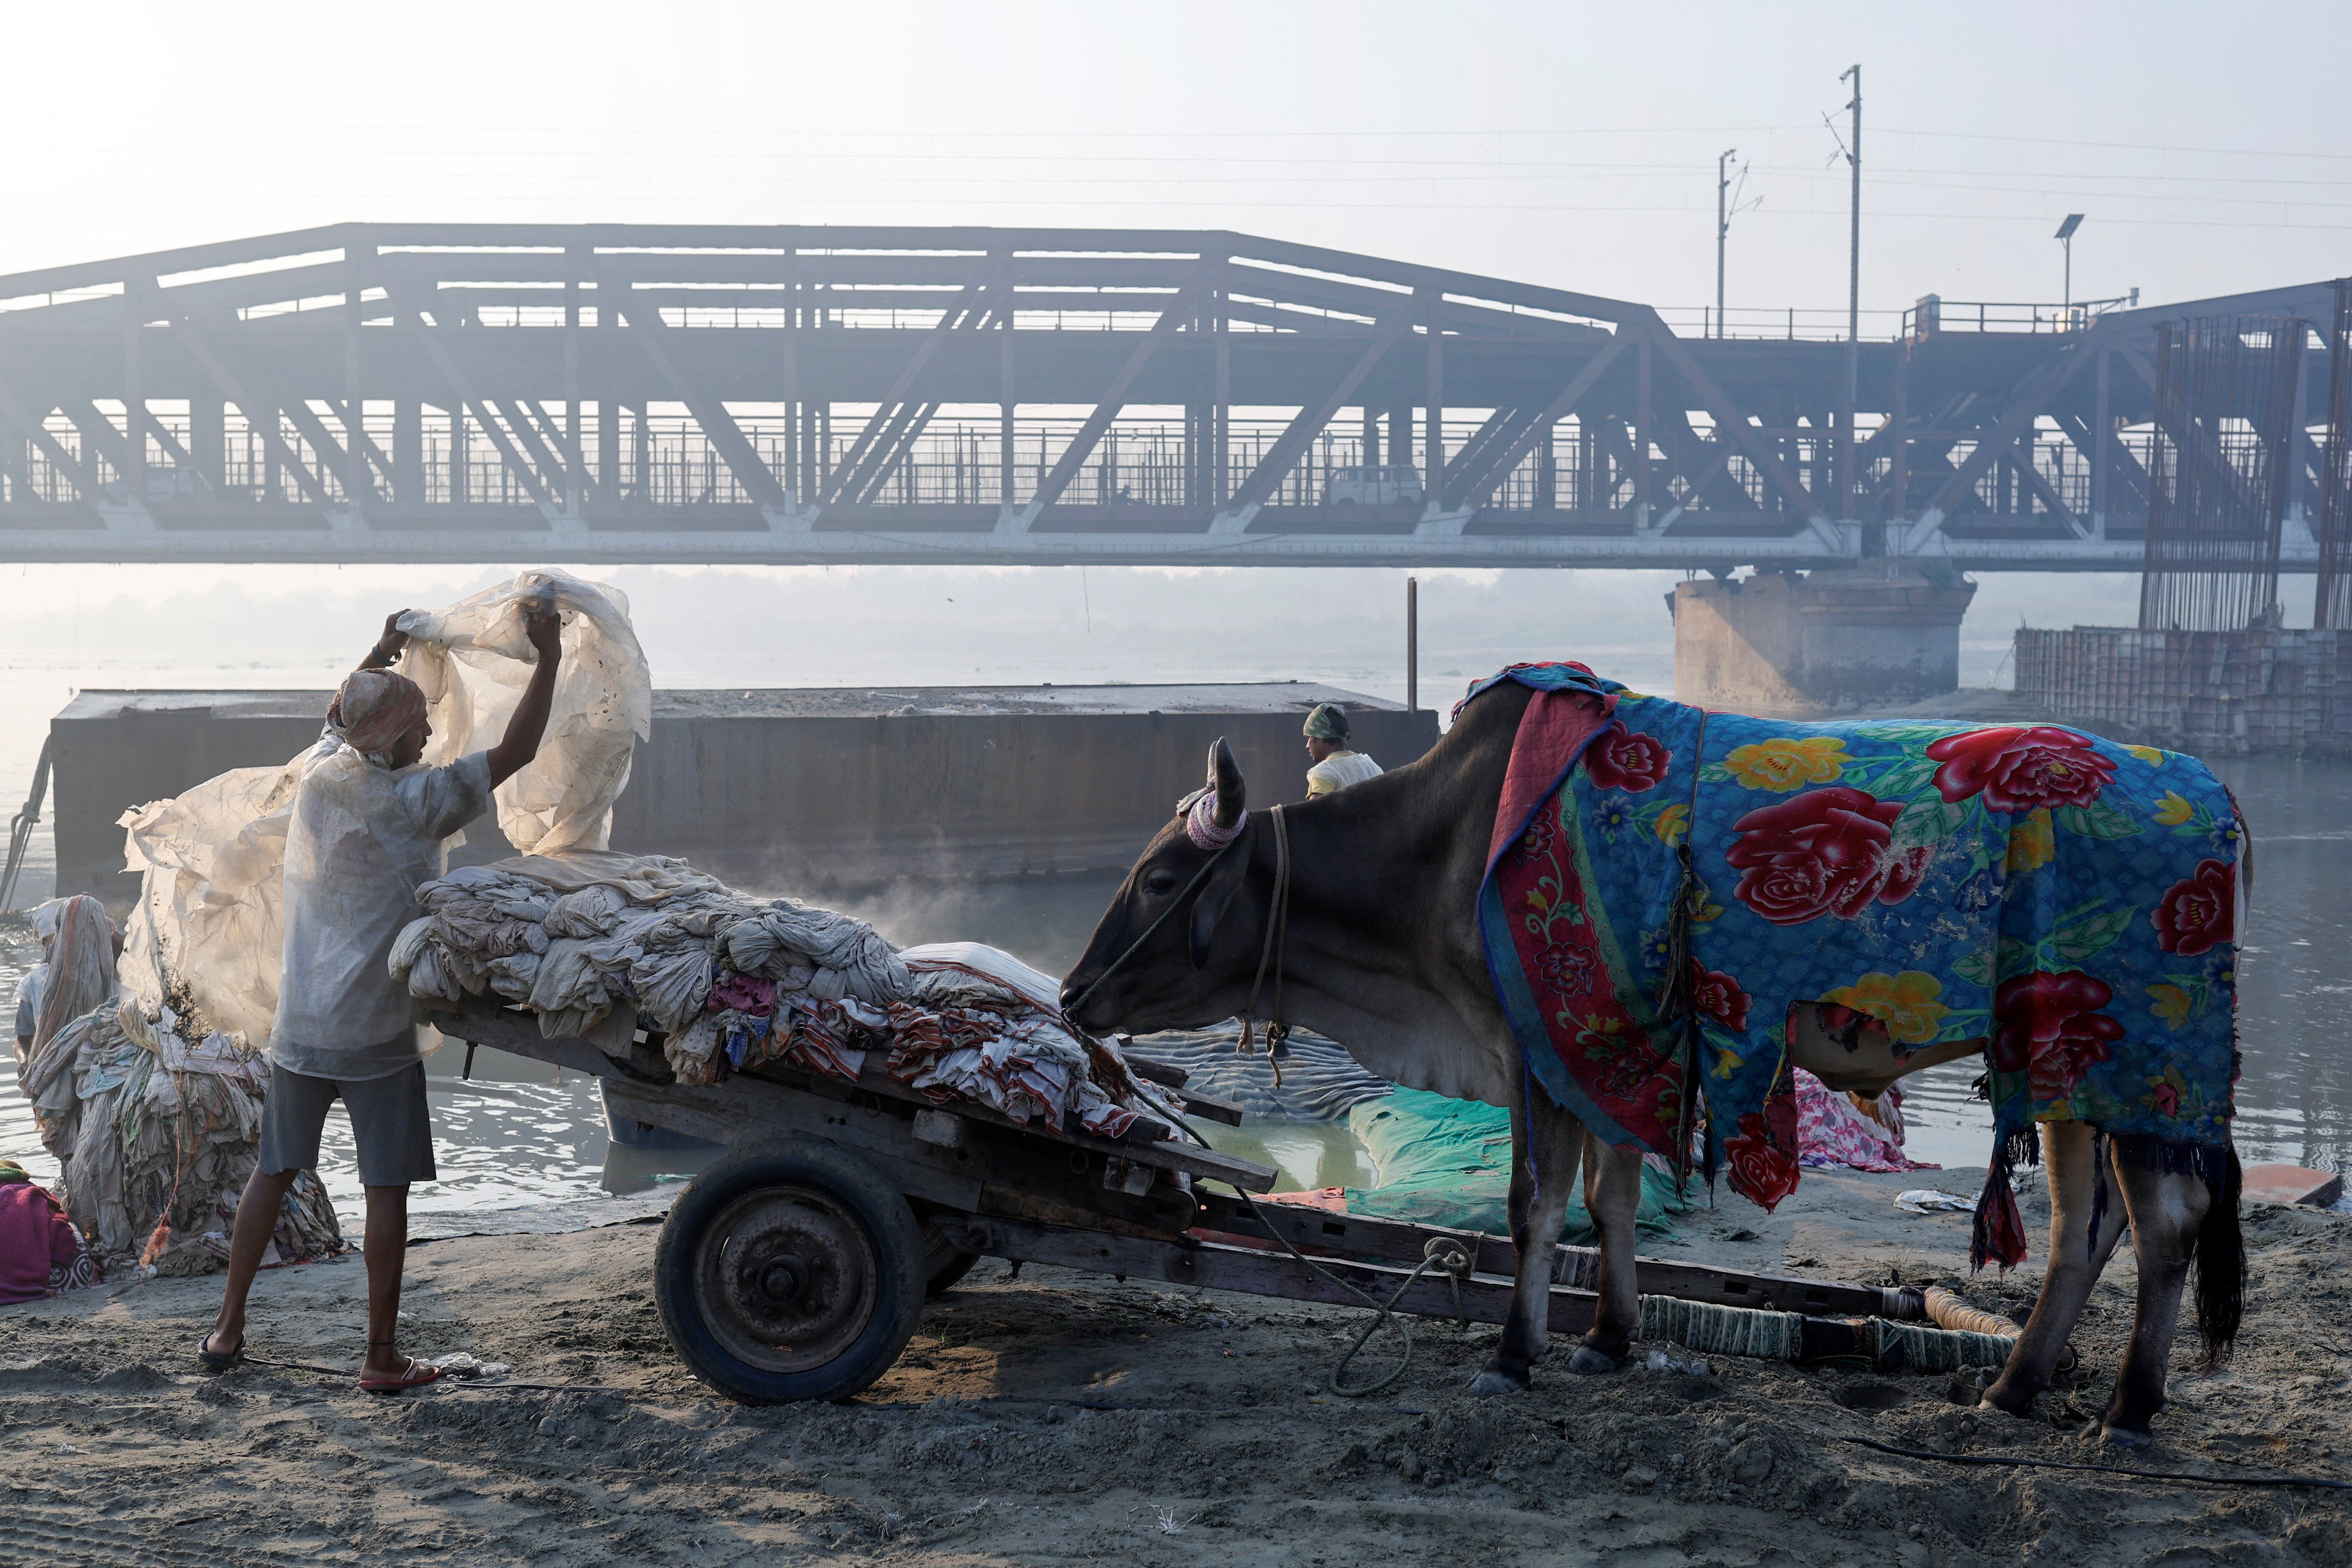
(2069,899)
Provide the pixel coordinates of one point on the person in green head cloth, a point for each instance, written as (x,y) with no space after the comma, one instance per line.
(1335,765)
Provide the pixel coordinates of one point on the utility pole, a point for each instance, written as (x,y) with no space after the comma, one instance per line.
(1722,226)
(1413,645)
(1854,295)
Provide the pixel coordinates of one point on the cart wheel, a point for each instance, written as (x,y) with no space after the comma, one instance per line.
(944,1262)
(794,1273)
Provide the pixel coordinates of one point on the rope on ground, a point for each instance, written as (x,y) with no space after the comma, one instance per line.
(1441,1252)
(296,1366)
(476,1385)
(1947,1310)
(2192,1478)
(1725,1330)
(1916,1348)
(448,1381)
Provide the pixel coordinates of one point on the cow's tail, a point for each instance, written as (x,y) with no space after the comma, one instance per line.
(2245,859)
(2220,1244)
(2220,1261)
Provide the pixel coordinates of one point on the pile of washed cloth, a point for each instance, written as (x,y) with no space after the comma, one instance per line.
(167,1135)
(592,941)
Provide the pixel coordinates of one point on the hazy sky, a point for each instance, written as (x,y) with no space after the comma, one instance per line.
(1565,144)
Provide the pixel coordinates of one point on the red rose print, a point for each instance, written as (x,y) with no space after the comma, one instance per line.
(1763,1167)
(1567,969)
(2166,1099)
(1620,759)
(2050,1029)
(1823,852)
(1536,842)
(2195,914)
(1621,1071)
(1718,996)
(2020,769)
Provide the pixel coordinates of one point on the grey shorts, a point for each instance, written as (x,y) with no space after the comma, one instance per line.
(390,1124)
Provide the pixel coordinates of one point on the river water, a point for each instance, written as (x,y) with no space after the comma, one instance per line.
(516,1134)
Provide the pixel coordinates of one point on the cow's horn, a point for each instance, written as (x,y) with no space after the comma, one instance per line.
(1225,778)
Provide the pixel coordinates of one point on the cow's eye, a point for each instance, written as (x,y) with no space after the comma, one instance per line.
(1160,883)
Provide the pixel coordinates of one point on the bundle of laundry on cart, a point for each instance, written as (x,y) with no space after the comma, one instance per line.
(595,942)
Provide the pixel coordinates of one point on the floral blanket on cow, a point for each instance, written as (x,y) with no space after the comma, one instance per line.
(1664,883)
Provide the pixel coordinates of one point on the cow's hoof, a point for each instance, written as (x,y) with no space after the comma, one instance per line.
(1490,1382)
(1589,1363)
(2125,1437)
(1996,1399)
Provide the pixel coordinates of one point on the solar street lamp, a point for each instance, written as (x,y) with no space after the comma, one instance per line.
(2066,238)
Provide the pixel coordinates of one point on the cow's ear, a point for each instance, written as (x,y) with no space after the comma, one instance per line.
(1216,894)
(1225,778)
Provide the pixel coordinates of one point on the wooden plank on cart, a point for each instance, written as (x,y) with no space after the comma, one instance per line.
(1321,1231)
(1209,1108)
(745,1112)
(1246,1175)
(519,1032)
(1484,1297)
(1168,1075)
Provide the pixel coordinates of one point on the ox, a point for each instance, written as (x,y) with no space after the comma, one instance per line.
(1381,952)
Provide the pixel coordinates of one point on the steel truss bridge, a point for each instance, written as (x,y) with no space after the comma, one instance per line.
(485,393)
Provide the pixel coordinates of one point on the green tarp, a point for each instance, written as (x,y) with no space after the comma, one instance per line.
(1448,1163)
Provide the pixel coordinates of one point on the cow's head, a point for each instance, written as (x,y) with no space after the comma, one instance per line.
(1164,955)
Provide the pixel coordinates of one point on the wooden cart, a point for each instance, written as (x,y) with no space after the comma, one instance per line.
(797,1265)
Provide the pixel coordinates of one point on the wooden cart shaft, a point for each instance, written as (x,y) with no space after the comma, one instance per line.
(1026,1193)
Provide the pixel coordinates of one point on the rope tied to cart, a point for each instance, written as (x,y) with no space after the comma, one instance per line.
(1443,1253)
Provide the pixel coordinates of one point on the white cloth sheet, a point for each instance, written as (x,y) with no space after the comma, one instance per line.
(209,924)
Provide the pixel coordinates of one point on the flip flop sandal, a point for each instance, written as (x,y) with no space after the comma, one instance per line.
(415,1374)
(217,1360)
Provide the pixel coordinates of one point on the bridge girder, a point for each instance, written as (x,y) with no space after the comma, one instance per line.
(780,393)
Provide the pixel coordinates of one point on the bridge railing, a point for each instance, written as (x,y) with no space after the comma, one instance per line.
(1790,324)
(958,462)
(1935,315)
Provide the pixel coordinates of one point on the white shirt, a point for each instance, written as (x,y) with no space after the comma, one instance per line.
(1338,771)
(361,840)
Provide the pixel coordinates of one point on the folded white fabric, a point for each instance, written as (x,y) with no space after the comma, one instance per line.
(734,981)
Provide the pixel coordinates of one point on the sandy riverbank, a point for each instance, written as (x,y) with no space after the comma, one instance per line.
(1059,1417)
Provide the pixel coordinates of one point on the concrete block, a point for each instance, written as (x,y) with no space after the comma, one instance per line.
(2291,1185)
(787,790)
(1808,646)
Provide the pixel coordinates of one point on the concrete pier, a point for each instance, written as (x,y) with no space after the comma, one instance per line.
(1811,645)
(786,791)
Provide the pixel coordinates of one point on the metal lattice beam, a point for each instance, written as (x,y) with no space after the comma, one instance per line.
(906,378)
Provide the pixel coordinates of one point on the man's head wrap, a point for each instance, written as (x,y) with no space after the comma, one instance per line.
(45,916)
(1328,721)
(374,708)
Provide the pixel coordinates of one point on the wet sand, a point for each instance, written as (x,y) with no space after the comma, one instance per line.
(1059,1417)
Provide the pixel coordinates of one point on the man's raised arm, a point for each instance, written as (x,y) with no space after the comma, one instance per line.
(387,647)
(514,752)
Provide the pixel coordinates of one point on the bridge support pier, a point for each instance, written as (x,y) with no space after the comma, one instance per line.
(1809,646)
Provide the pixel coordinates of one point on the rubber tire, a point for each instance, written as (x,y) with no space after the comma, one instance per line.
(945,1263)
(889,1227)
